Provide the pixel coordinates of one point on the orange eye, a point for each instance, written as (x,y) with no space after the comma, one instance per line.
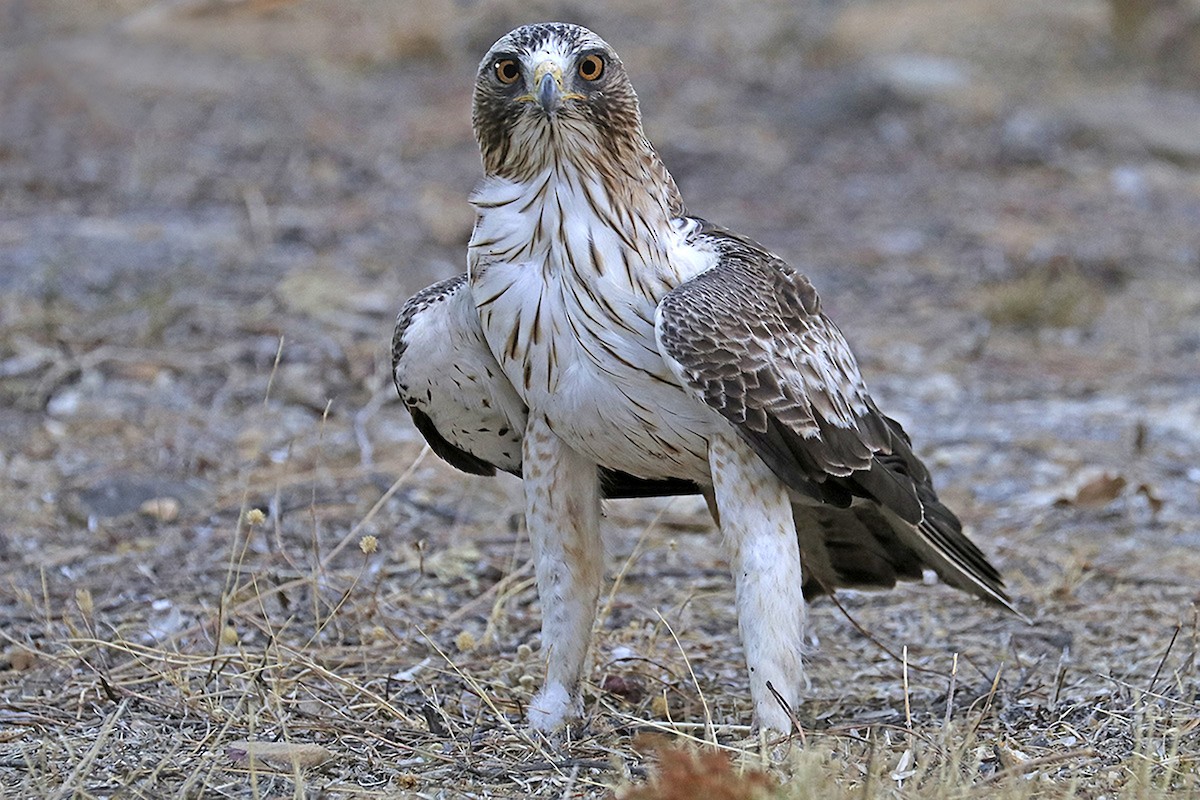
(591,67)
(508,71)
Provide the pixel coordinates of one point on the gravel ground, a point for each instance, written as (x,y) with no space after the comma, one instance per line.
(209,215)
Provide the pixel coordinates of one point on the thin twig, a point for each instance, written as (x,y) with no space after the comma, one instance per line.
(950,691)
(1166,653)
(271,375)
(1155,695)
(871,638)
(987,705)
(1026,767)
(787,709)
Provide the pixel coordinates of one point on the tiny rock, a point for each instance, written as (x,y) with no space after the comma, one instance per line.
(163,509)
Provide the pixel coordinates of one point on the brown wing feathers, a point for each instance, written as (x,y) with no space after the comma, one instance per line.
(751,340)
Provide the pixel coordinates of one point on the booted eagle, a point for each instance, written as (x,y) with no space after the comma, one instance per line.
(604,342)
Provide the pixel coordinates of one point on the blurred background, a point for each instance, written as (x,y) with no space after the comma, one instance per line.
(211,210)
(184,182)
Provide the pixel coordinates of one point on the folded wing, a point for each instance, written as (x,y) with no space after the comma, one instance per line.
(748,337)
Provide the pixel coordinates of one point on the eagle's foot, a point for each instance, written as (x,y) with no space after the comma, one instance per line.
(775,709)
(553,707)
(777,698)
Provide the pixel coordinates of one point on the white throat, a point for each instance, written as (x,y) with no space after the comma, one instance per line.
(566,225)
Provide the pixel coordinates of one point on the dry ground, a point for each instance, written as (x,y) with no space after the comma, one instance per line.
(209,214)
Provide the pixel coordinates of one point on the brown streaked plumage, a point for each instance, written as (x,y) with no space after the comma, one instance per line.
(634,340)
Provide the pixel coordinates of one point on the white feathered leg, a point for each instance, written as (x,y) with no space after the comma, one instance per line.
(562,513)
(764,555)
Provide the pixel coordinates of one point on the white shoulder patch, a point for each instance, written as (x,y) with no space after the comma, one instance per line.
(689,255)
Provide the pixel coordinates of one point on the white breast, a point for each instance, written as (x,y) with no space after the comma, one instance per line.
(566,300)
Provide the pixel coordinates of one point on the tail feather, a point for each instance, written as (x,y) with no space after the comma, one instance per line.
(901,530)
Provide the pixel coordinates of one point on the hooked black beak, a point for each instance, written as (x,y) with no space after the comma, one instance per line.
(549,93)
(548,90)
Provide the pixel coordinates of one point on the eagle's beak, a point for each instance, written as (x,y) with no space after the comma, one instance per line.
(547,86)
(548,90)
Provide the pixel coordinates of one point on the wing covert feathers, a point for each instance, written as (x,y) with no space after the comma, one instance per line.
(749,338)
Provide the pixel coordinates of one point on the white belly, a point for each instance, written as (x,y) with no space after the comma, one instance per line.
(664,434)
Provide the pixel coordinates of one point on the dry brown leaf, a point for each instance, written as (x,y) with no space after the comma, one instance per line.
(685,775)
(629,688)
(1100,490)
(20,659)
(278,754)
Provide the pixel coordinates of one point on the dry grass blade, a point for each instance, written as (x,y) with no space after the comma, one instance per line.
(709,732)
(71,784)
(353,534)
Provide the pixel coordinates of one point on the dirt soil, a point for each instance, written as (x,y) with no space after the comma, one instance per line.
(218,527)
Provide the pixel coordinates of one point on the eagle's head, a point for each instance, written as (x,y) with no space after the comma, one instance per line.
(553,92)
